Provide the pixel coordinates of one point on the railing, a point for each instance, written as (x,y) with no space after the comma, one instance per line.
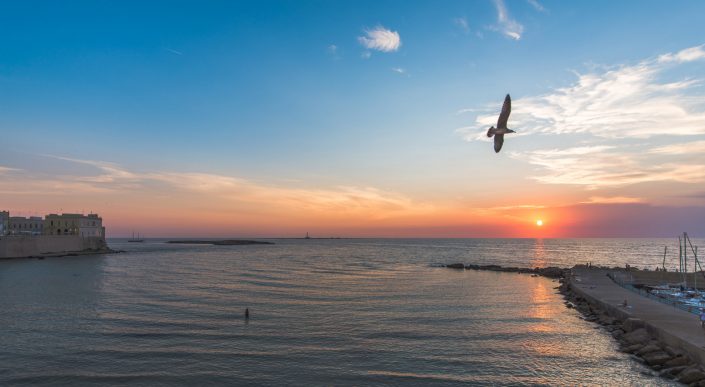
(624,280)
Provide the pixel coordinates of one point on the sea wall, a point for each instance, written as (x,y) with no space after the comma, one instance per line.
(43,245)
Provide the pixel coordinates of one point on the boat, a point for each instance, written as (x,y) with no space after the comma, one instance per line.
(133,239)
(307,236)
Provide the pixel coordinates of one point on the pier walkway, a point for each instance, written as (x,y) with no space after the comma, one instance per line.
(671,325)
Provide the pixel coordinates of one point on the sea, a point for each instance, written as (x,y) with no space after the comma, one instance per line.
(323,312)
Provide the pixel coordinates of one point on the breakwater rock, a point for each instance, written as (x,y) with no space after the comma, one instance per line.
(227,242)
(635,337)
(550,272)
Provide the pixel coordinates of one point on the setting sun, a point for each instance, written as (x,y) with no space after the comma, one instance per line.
(539,222)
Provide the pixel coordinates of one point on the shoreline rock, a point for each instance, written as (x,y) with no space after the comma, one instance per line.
(69,254)
(226,242)
(549,272)
(631,333)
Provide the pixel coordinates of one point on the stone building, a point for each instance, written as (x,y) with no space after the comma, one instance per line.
(19,225)
(4,222)
(90,225)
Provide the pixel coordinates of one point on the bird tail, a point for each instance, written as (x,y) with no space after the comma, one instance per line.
(490,132)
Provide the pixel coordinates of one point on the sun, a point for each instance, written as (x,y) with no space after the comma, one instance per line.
(539,222)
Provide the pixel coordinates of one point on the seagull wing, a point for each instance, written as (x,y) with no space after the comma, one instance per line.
(498,141)
(504,115)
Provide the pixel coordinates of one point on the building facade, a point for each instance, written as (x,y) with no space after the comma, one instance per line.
(19,225)
(90,225)
(4,222)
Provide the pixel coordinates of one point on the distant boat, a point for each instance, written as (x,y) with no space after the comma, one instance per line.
(138,239)
(307,237)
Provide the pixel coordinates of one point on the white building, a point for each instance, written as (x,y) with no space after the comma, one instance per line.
(90,225)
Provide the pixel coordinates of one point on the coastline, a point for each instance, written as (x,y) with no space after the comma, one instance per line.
(67,254)
(666,339)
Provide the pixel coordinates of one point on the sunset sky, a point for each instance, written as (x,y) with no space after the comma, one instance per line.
(358,118)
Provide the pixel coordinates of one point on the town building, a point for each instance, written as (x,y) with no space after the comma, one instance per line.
(19,225)
(90,225)
(55,235)
(4,222)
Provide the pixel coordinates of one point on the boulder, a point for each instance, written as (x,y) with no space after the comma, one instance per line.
(611,328)
(618,333)
(678,361)
(658,358)
(672,351)
(632,324)
(456,266)
(607,320)
(551,272)
(637,336)
(691,375)
(648,348)
(671,372)
(632,348)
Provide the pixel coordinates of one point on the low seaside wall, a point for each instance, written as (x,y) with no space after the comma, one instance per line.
(42,245)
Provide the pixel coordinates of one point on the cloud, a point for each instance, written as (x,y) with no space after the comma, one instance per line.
(400,70)
(462,23)
(613,200)
(175,52)
(332,49)
(616,124)
(537,6)
(7,169)
(683,56)
(604,166)
(111,178)
(697,147)
(380,39)
(506,25)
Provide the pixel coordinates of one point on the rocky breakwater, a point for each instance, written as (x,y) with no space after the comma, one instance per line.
(227,242)
(634,338)
(550,272)
(632,334)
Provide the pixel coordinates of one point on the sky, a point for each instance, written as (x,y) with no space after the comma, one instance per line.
(356,119)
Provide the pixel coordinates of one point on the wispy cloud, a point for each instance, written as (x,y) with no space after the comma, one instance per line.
(695,147)
(603,166)
(613,200)
(7,169)
(380,39)
(626,101)
(333,51)
(462,23)
(175,52)
(622,115)
(505,24)
(687,55)
(111,178)
(400,71)
(537,6)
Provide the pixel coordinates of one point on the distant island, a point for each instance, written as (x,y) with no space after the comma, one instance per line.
(227,242)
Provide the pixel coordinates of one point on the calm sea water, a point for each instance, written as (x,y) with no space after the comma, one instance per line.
(323,312)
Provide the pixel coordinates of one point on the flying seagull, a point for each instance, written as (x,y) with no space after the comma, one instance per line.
(501,128)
